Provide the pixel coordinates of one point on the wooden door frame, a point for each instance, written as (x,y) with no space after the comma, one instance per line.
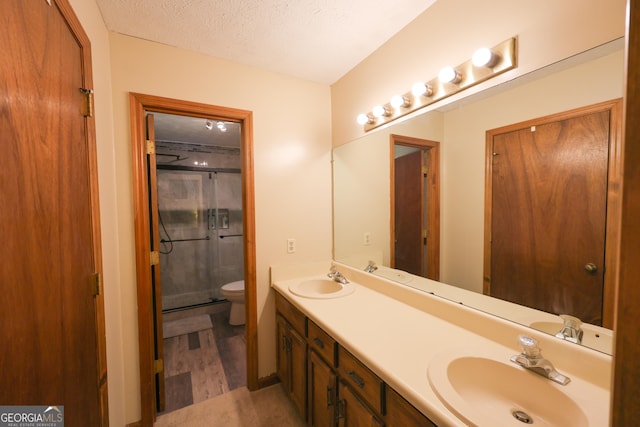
(139,104)
(614,180)
(625,395)
(433,204)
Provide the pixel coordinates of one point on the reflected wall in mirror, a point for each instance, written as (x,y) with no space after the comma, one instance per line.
(362,177)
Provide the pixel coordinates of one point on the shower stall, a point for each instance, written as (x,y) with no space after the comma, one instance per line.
(200,220)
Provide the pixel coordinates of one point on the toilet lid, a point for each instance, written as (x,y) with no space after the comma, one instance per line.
(234,286)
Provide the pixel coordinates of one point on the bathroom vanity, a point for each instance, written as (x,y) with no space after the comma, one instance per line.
(385,354)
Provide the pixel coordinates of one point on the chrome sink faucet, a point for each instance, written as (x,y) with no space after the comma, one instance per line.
(531,358)
(335,275)
(571,330)
(371,267)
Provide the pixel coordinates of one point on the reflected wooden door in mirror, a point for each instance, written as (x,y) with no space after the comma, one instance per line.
(548,207)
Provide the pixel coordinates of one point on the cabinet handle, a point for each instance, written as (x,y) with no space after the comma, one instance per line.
(356,379)
(318,342)
(329,396)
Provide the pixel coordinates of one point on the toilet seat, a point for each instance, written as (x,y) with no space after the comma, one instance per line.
(234,287)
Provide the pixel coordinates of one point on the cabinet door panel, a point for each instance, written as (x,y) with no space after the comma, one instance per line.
(322,392)
(354,412)
(298,369)
(401,413)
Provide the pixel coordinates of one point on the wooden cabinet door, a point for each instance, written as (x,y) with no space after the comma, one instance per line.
(322,393)
(298,369)
(292,363)
(401,413)
(353,412)
(52,313)
(282,353)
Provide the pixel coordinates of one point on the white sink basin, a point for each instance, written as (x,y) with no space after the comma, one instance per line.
(594,337)
(321,289)
(487,392)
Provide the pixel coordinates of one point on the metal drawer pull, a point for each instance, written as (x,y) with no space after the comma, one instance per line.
(356,379)
(318,342)
(329,396)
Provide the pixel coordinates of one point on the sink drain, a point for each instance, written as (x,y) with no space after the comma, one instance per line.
(521,416)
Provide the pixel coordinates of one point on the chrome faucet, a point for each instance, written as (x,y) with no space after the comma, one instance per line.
(371,267)
(571,330)
(531,358)
(335,275)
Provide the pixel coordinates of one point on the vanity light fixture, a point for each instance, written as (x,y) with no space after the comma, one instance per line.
(400,101)
(485,64)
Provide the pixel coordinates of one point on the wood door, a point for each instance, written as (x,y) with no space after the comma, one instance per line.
(156,284)
(51,316)
(409,214)
(549,206)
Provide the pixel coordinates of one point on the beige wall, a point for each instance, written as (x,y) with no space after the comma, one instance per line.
(292,168)
(451,30)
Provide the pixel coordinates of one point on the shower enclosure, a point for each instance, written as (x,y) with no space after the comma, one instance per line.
(200,219)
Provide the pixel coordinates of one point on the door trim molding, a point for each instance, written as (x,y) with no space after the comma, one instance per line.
(614,194)
(433,204)
(139,103)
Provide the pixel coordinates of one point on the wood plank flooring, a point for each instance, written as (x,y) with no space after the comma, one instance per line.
(201,365)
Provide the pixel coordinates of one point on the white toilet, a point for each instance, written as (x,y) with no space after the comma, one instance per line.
(234,292)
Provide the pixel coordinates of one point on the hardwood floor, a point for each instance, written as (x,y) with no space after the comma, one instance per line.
(204,364)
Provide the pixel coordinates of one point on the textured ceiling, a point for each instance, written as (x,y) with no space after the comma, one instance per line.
(317,40)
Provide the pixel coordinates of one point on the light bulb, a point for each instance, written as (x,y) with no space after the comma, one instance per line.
(379,111)
(484,57)
(400,101)
(421,89)
(363,119)
(449,75)
(208,124)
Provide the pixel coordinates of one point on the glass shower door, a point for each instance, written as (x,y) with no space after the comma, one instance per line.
(201,235)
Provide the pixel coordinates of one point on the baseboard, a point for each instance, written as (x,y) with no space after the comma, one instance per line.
(268,381)
(136,424)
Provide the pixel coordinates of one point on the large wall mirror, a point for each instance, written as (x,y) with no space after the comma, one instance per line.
(362,182)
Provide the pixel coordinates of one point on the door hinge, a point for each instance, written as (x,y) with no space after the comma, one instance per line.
(88,102)
(151,147)
(154,258)
(340,404)
(96,284)
(425,170)
(158,366)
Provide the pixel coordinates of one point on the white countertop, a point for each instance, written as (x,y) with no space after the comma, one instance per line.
(396,330)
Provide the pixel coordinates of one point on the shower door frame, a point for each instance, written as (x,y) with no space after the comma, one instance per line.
(139,105)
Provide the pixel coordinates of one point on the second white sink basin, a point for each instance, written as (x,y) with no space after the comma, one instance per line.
(486,392)
(321,288)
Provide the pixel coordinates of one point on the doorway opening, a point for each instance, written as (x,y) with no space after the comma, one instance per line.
(194,227)
(415,205)
(199,194)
